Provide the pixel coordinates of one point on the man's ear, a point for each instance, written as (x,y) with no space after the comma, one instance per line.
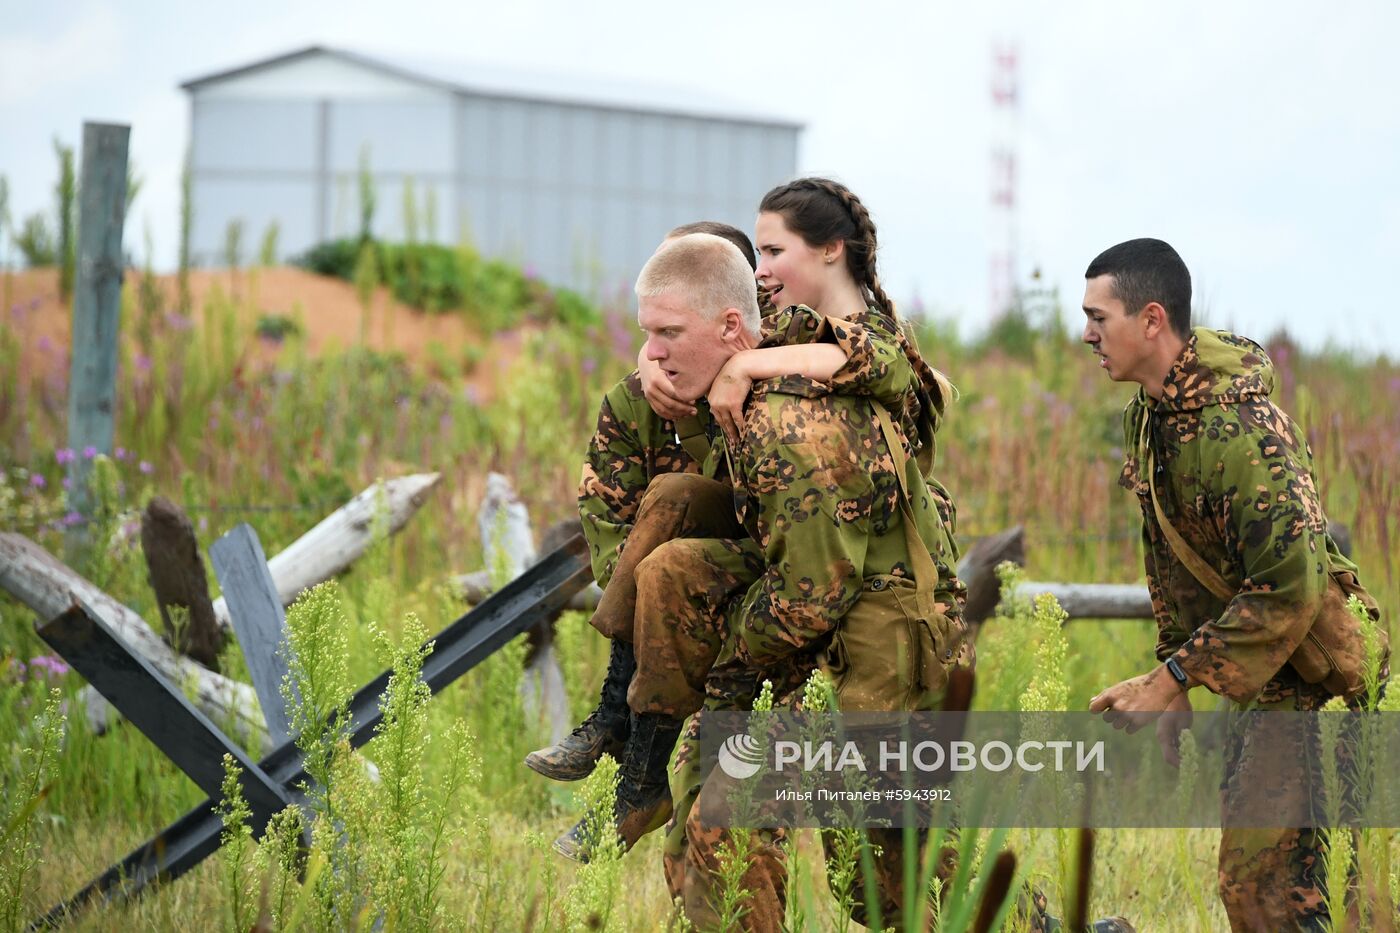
(1154,320)
(733,323)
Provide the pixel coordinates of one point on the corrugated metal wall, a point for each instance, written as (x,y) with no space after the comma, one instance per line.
(579,194)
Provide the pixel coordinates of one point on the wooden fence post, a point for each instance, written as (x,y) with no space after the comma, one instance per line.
(96,308)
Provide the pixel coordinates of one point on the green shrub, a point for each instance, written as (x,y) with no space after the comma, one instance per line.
(277,326)
(495,294)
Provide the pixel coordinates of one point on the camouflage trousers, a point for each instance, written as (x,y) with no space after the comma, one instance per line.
(685,563)
(1273,879)
(674,506)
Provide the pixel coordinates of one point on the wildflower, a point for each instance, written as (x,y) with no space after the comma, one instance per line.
(143,363)
(89,452)
(52,666)
(64,455)
(588,365)
(146,467)
(67,482)
(120,453)
(37,480)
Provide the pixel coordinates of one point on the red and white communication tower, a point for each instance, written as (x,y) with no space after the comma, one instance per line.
(1005,108)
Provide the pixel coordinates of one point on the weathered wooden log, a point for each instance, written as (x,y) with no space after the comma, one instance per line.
(978,567)
(1094,600)
(180,581)
(49,587)
(509,548)
(342,537)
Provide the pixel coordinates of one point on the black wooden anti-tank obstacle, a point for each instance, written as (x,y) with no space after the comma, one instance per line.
(197,746)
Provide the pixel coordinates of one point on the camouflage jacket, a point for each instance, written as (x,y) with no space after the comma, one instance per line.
(632,444)
(815,487)
(1234,476)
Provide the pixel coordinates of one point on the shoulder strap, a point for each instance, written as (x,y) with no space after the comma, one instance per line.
(925,571)
(1202,571)
(693,438)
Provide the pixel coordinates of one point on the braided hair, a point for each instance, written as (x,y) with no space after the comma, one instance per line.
(822,211)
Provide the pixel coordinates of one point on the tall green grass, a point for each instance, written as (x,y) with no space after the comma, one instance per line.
(1033,440)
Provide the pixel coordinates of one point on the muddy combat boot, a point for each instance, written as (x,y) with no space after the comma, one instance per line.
(643,791)
(603,732)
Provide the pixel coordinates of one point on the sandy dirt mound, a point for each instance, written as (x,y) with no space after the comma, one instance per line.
(328,309)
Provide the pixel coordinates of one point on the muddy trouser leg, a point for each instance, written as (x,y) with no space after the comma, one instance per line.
(683,589)
(695,869)
(675,505)
(731,686)
(1272,879)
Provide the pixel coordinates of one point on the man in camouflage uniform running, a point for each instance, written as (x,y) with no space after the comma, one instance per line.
(1247,585)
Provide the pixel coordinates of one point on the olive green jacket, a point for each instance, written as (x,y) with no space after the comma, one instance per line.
(1234,475)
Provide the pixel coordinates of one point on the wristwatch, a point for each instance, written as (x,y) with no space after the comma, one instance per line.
(1178,674)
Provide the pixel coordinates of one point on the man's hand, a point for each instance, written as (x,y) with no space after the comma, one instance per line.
(1174,721)
(659,392)
(727,396)
(1134,703)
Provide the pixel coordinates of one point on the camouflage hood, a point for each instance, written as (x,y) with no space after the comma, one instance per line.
(1216,368)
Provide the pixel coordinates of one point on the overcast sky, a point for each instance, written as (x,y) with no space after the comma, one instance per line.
(1261,140)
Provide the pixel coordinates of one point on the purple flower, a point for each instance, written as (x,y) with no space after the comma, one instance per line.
(89,452)
(143,363)
(45,344)
(64,455)
(71,519)
(588,365)
(37,480)
(120,453)
(67,482)
(145,467)
(51,666)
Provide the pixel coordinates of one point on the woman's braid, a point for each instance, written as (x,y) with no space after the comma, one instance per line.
(861,248)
